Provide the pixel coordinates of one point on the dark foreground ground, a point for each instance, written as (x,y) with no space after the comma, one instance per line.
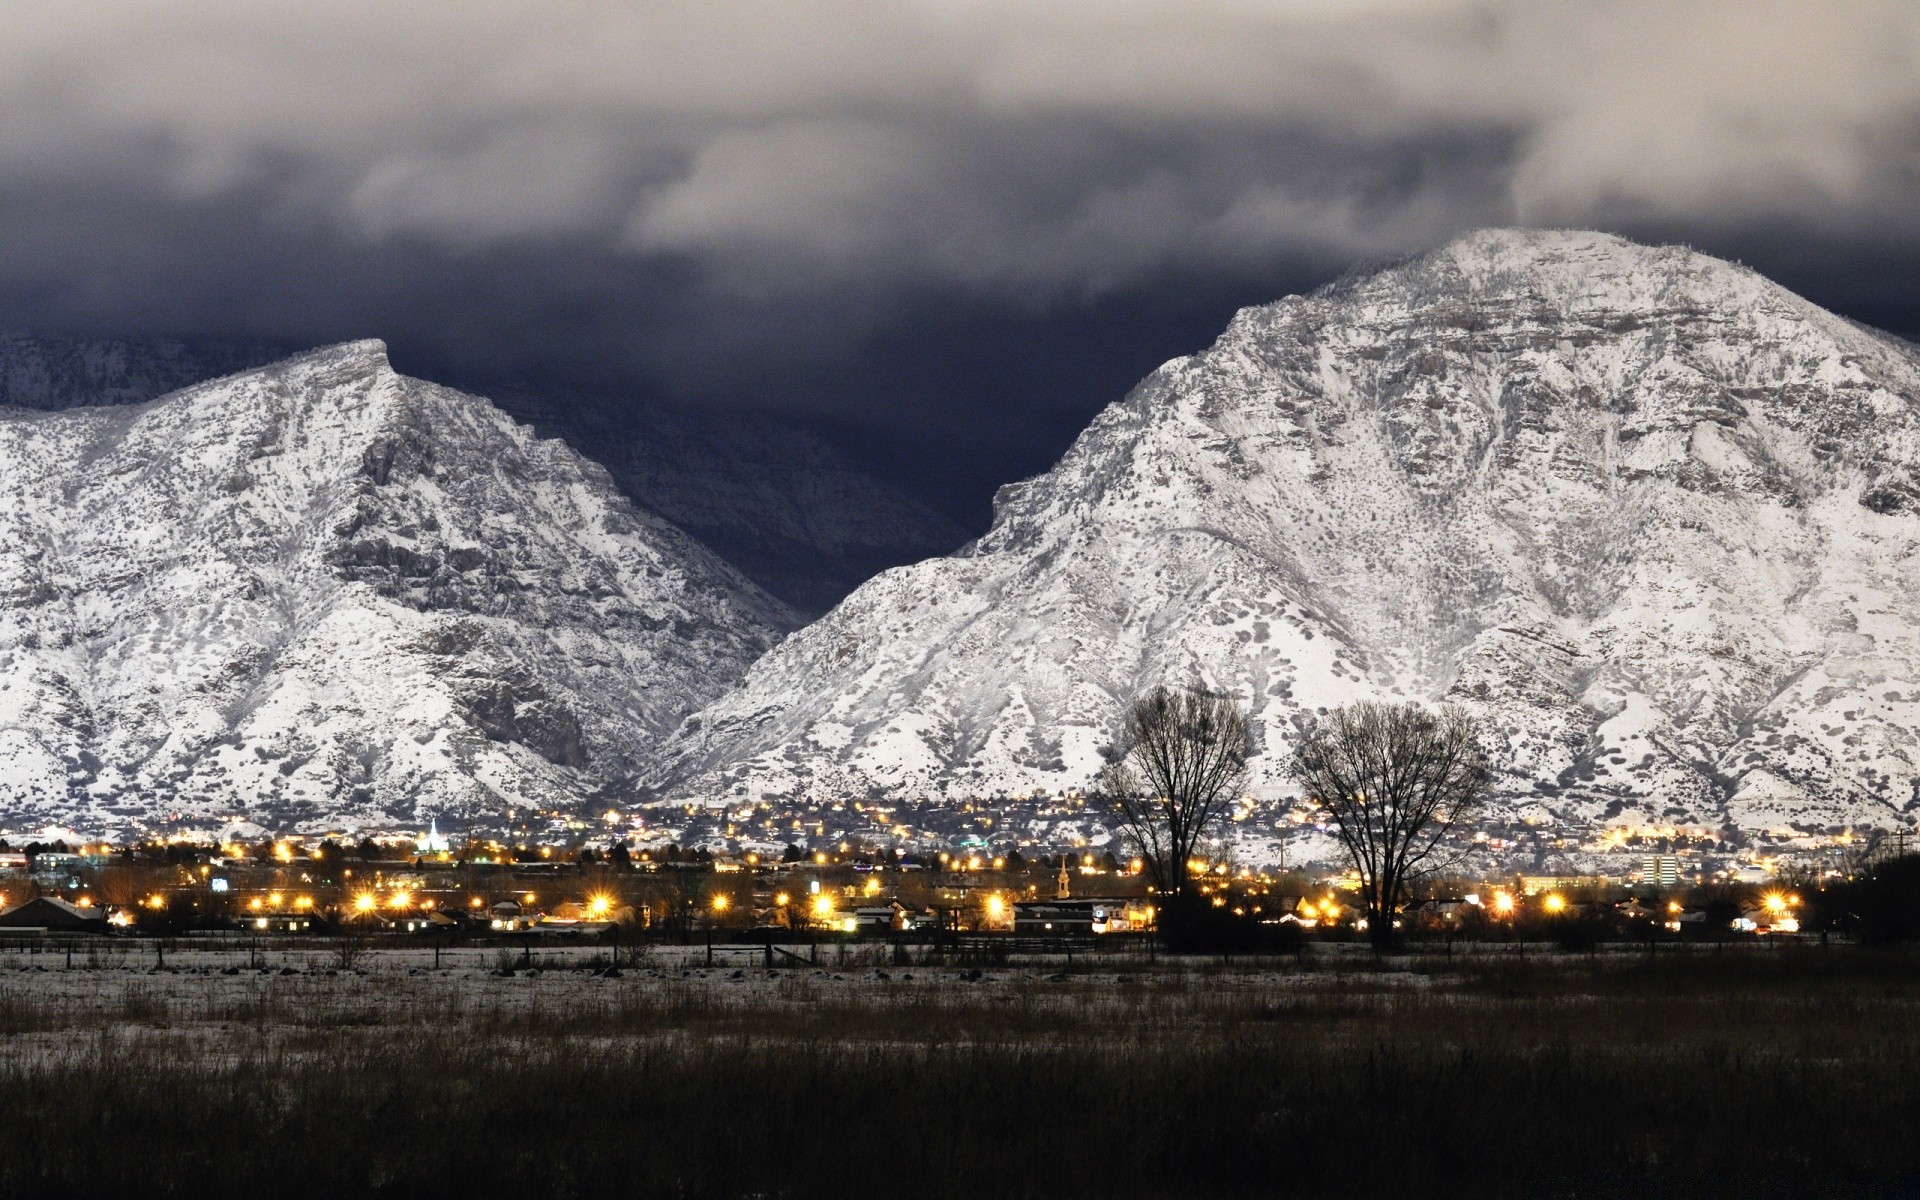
(1786,1072)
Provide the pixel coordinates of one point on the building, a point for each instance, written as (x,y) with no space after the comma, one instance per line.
(54,916)
(1660,870)
(281,923)
(879,918)
(1081,918)
(433,841)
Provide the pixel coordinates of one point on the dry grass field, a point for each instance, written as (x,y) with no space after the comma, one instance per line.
(1788,1072)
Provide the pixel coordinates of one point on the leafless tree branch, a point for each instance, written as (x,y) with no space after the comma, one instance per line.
(1178,763)
(1396,780)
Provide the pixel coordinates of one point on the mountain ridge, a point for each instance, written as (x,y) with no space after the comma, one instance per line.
(796,514)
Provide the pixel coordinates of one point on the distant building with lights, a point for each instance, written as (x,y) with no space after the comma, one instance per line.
(434,842)
(1660,870)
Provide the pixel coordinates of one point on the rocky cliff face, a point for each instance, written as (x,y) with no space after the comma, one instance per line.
(1651,516)
(322,593)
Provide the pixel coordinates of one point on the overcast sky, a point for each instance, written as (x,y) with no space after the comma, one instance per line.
(957,227)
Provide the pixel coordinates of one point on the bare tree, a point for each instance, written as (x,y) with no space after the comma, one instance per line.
(1395,779)
(1180,760)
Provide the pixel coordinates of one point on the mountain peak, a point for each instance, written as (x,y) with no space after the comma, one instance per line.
(1569,270)
(323,594)
(1647,514)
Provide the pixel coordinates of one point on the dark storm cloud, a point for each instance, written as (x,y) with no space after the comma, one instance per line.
(914,219)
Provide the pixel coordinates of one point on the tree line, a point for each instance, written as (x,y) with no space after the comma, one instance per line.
(1394,780)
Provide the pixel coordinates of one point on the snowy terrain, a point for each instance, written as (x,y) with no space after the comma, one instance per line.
(787,509)
(323,593)
(1650,515)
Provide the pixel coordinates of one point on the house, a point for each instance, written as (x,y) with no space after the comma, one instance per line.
(13,862)
(1056,918)
(1121,916)
(55,916)
(280,923)
(879,918)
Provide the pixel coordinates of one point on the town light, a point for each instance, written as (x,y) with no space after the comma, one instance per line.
(1555,902)
(365,901)
(720,903)
(1776,903)
(996,907)
(400,899)
(1503,903)
(782,899)
(823,905)
(600,905)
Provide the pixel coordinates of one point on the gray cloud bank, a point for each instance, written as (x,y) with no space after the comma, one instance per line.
(669,189)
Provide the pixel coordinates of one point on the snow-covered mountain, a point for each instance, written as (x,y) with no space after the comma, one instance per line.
(322,592)
(790,510)
(1652,516)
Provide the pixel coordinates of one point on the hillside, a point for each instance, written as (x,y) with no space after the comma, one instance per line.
(1652,516)
(323,593)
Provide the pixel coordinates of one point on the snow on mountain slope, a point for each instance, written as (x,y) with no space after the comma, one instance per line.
(1652,516)
(789,510)
(322,592)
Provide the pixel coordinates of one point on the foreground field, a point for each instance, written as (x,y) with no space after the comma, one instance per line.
(1783,1073)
